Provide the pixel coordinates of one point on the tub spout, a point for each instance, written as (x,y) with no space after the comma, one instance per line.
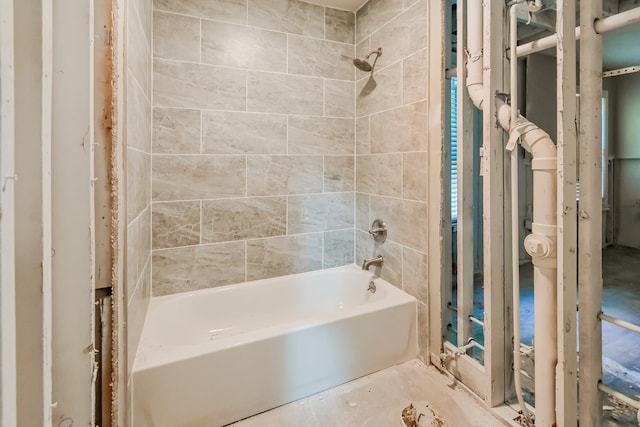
(372,261)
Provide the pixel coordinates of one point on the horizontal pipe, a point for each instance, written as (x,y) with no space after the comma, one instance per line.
(622,397)
(476,321)
(451,307)
(621,323)
(603,25)
(621,71)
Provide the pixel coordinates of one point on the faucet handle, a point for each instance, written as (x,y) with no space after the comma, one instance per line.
(378,231)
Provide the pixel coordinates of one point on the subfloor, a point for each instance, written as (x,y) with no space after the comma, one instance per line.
(377,400)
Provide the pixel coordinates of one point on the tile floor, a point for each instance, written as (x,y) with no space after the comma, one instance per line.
(377,400)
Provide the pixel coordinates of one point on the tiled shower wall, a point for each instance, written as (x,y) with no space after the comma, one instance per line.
(253,141)
(138,168)
(391,144)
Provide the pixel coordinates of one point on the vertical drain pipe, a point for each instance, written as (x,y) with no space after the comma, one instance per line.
(542,243)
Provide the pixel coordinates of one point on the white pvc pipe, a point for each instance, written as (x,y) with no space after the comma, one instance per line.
(603,25)
(541,245)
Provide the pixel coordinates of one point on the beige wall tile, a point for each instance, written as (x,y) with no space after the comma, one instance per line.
(138,54)
(338,248)
(185,177)
(245,47)
(406,220)
(282,175)
(138,116)
(379,174)
(320,212)
(289,16)
(339,98)
(240,219)
(362,212)
(320,58)
(176,131)
(423,332)
(176,37)
(374,14)
(339,173)
(239,132)
(340,25)
(414,77)
(145,14)
(404,35)
(381,92)
(415,274)
(363,137)
(414,176)
(175,224)
(197,267)
(279,256)
(281,93)
(136,313)
(185,85)
(400,129)
(138,182)
(234,11)
(138,249)
(363,48)
(320,135)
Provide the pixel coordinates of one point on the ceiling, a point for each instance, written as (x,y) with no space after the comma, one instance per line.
(352,5)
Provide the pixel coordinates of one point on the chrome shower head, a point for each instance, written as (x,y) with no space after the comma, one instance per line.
(364,65)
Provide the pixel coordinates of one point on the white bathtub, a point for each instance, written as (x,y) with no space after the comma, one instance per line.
(215,356)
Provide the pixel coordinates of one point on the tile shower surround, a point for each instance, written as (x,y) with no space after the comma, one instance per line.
(253,141)
(392,145)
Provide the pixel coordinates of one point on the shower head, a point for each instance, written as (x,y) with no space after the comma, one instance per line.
(364,65)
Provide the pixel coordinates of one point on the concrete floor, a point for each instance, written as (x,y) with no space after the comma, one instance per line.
(377,400)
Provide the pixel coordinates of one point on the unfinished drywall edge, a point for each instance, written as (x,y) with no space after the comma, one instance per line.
(117,183)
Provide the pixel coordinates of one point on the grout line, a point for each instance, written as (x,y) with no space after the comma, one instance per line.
(246,176)
(200,44)
(246,260)
(201,219)
(266,113)
(264,197)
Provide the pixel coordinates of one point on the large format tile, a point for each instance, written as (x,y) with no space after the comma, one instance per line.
(185,85)
(320,58)
(400,129)
(282,175)
(239,132)
(406,220)
(320,135)
(289,16)
(136,313)
(404,35)
(379,174)
(138,54)
(338,248)
(138,182)
(362,212)
(244,47)
(414,77)
(176,131)
(414,176)
(381,91)
(176,224)
(340,25)
(339,98)
(339,173)
(363,135)
(138,116)
(138,249)
(197,267)
(280,256)
(184,177)
(239,219)
(282,93)
(176,37)
(320,212)
(234,11)
(415,274)
(374,14)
